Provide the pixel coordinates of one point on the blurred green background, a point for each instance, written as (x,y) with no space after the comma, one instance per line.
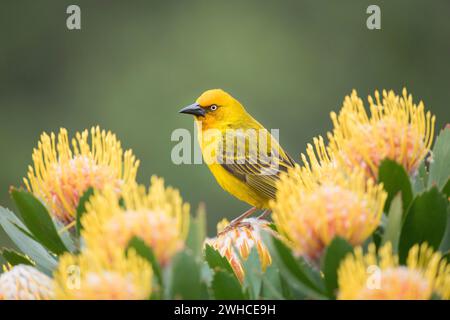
(134,64)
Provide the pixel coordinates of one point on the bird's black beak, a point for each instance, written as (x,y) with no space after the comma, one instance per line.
(194,109)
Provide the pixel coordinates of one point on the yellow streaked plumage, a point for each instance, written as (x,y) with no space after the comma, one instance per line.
(220,117)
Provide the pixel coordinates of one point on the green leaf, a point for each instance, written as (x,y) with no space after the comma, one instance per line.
(445,243)
(13,227)
(146,252)
(446,189)
(299,274)
(66,236)
(395,180)
(81,209)
(420,180)
(439,167)
(206,273)
(394,223)
(25,231)
(253,274)
(335,252)
(216,261)
(197,232)
(226,287)
(273,285)
(376,238)
(425,222)
(38,221)
(14,258)
(446,256)
(186,282)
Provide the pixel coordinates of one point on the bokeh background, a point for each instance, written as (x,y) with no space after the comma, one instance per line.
(134,64)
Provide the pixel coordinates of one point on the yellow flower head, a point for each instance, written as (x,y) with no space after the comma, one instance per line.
(397,129)
(318,202)
(380,277)
(237,243)
(101,275)
(160,218)
(63,171)
(23,282)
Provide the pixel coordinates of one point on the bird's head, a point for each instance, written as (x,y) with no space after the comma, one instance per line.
(215,107)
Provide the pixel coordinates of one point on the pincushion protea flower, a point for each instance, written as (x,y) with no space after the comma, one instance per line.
(101,275)
(319,201)
(237,243)
(160,218)
(382,278)
(23,282)
(397,129)
(63,171)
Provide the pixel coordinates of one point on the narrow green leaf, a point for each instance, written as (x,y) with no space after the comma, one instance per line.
(81,209)
(420,180)
(197,231)
(445,243)
(24,231)
(298,273)
(14,258)
(425,222)
(226,287)
(439,167)
(206,273)
(395,180)
(253,274)
(67,236)
(216,261)
(38,221)
(286,289)
(446,189)
(394,223)
(18,233)
(273,286)
(376,238)
(186,282)
(335,252)
(146,252)
(446,256)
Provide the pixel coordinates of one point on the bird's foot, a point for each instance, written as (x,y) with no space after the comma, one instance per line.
(238,221)
(234,225)
(265,214)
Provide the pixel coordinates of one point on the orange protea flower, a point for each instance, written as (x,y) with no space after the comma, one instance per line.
(237,243)
(397,129)
(100,275)
(159,217)
(319,201)
(380,277)
(23,282)
(62,171)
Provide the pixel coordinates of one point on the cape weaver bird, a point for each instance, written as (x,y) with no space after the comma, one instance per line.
(249,173)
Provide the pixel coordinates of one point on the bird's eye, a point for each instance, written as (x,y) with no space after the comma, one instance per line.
(213,107)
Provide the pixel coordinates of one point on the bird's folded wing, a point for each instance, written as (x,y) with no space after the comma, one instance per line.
(259,170)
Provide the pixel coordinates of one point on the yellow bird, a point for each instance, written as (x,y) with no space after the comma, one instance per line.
(248,169)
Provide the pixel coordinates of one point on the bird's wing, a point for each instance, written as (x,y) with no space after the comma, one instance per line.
(259,170)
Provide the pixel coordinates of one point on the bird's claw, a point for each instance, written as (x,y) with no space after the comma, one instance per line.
(234,225)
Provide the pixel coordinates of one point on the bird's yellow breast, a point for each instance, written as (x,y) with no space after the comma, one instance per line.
(237,188)
(226,180)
